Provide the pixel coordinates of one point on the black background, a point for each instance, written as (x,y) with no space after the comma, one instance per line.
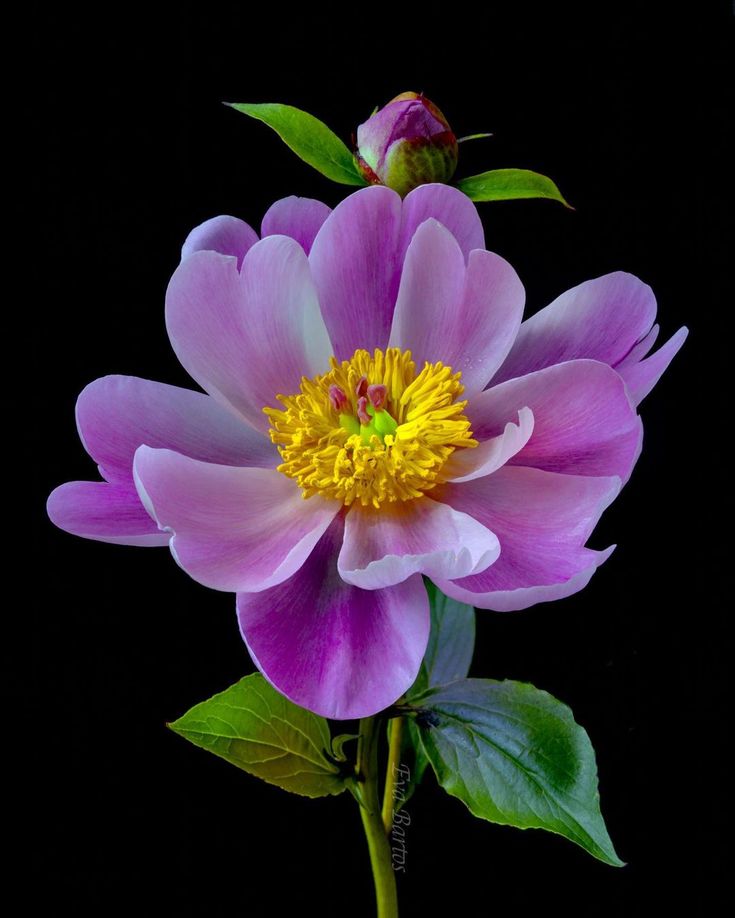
(130,147)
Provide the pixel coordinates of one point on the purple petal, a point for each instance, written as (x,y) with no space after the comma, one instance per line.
(387,546)
(451,208)
(234,528)
(355,264)
(642,377)
(104,512)
(639,351)
(331,647)
(469,318)
(116,414)
(226,235)
(601,319)
(542,521)
(584,422)
(247,337)
(490,455)
(357,255)
(430,292)
(299,218)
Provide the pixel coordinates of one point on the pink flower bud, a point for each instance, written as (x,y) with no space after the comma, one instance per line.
(405,144)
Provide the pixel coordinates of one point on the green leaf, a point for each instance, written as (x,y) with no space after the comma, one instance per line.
(510,184)
(514,755)
(308,137)
(447,658)
(451,639)
(451,642)
(338,745)
(254,727)
(473,137)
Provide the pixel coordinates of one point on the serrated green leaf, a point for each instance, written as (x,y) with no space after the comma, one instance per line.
(514,755)
(510,184)
(254,727)
(308,137)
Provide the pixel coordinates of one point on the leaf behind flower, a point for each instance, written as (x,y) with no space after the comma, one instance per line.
(447,658)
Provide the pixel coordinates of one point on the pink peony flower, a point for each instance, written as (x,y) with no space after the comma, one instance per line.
(444,438)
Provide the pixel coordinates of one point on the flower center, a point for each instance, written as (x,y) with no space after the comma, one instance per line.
(371,430)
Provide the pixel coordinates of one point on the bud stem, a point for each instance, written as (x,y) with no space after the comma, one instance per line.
(392,771)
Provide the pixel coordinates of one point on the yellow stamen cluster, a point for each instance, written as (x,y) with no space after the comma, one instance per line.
(326,456)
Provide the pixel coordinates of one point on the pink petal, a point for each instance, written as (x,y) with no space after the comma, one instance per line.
(542,521)
(639,351)
(642,377)
(490,455)
(246,337)
(299,218)
(431,288)
(116,414)
(104,512)
(451,208)
(601,319)
(226,235)
(330,647)
(234,528)
(355,264)
(469,318)
(357,256)
(584,422)
(387,546)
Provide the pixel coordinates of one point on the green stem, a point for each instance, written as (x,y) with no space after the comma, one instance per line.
(380,854)
(392,771)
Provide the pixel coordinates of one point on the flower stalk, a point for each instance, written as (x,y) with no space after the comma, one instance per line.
(380,856)
(392,771)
